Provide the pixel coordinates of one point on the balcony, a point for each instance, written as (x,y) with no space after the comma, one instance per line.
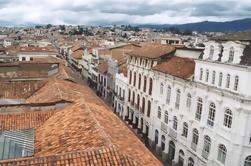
(205,154)
(172,134)
(193,146)
(164,127)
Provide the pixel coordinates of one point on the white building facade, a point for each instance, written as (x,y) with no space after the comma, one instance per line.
(121,94)
(204,119)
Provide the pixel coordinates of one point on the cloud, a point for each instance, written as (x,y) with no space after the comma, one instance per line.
(121,11)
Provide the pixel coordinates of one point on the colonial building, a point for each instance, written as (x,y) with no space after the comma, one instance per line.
(139,111)
(201,108)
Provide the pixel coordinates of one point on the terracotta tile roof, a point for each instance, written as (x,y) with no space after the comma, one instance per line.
(24,120)
(102,67)
(88,123)
(77,54)
(177,66)
(152,51)
(77,46)
(104,156)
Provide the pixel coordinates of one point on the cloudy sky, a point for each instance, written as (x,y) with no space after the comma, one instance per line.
(94,12)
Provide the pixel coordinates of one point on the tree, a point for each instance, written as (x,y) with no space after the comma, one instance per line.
(62,27)
(48,26)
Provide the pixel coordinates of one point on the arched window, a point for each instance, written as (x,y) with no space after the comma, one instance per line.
(201,73)
(236,82)
(185,129)
(149,109)
(228,118)
(130,77)
(190,162)
(199,109)
(134,81)
(139,83)
(161,88)
(211,53)
(213,77)
(211,114)
(206,146)
(150,86)
(138,101)
(231,55)
(189,99)
(133,97)
(129,95)
(207,75)
(177,102)
(143,105)
(175,123)
(181,158)
(195,138)
(220,79)
(156,140)
(228,81)
(247,161)
(145,82)
(222,152)
(166,117)
(163,141)
(168,97)
(159,112)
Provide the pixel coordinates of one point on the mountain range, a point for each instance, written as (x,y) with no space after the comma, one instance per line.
(209,26)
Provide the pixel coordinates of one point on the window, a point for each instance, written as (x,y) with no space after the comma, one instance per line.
(143,106)
(149,109)
(207,75)
(211,115)
(133,97)
(168,97)
(222,152)
(195,138)
(161,88)
(177,103)
(134,81)
(175,123)
(190,162)
(166,117)
(213,77)
(31,58)
(189,98)
(23,58)
(236,82)
(231,55)
(228,118)
(139,83)
(130,77)
(129,95)
(211,53)
(144,84)
(185,130)
(138,102)
(199,109)
(228,81)
(146,63)
(156,139)
(163,141)
(201,73)
(206,146)
(247,161)
(159,112)
(220,79)
(150,86)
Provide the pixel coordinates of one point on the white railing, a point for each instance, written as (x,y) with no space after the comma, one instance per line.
(164,127)
(205,154)
(193,146)
(172,133)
